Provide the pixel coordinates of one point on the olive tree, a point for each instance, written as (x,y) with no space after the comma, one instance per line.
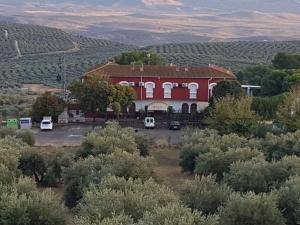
(204,194)
(251,209)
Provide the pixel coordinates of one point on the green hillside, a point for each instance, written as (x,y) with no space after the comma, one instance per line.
(233,55)
(30,54)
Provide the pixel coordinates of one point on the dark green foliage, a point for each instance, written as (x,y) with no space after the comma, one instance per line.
(144,143)
(286,61)
(47,105)
(204,194)
(227,88)
(289,200)
(138,58)
(33,164)
(251,209)
(267,107)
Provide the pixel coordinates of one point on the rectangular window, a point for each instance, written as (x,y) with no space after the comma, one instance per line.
(167,90)
(193,94)
(149,93)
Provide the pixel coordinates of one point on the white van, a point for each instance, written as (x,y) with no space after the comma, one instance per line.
(149,123)
(25,123)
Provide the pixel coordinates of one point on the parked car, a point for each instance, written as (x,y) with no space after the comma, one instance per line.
(174,125)
(46,123)
(149,123)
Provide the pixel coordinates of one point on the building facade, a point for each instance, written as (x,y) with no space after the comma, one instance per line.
(159,88)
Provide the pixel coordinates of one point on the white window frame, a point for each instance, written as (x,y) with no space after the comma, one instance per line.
(211,88)
(124,83)
(193,92)
(149,86)
(167,93)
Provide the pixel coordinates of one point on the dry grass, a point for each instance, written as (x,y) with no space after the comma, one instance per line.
(167,169)
(40,88)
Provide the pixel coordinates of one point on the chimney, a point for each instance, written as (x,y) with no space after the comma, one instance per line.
(142,68)
(186,69)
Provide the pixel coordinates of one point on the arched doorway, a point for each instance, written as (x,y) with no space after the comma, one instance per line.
(194,108)
(185,108)
(132,108)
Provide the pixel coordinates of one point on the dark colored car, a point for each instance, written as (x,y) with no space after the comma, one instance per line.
(174,125)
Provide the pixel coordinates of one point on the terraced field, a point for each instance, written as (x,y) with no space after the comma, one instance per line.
(233,55)
(31,54)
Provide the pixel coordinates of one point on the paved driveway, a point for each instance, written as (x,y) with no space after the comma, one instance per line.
(73,134)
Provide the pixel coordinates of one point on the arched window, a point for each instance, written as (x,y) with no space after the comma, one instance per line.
(193,108)
(149,89)
(193,87)
(167,90)
(211,88)
(124,83)
(185,108)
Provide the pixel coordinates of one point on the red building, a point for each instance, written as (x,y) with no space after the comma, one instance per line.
(185,89)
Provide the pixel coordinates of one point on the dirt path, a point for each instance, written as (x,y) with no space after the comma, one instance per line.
(19,55)
(168,171)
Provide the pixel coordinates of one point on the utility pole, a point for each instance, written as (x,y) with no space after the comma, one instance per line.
(63,76)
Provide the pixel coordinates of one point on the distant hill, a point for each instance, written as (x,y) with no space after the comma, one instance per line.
(233,55)
(30,54)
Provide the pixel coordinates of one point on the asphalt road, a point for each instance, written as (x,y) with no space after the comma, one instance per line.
(72,135)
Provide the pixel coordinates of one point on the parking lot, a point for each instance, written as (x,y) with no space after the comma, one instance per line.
(73,134)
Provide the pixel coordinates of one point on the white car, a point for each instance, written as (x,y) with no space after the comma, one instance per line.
(46,125)
(149,123)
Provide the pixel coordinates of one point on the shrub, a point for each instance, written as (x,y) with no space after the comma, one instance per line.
(118,196)
(92,170)
(34,208)
(217,162)
(116,220)
(197,142)
(289,200)
(251,209)
(108,140)
(259,175)
(6,176)
(26,136)
(176,214)
(277,146)
(231,115)
(144,143)
(7,131)
(204,194)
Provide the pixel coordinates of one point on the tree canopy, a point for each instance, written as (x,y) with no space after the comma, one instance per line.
(138,58)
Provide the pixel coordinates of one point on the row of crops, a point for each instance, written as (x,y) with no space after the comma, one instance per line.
(41,50)
(234,55)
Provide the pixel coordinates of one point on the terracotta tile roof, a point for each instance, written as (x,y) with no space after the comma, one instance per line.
(115,70)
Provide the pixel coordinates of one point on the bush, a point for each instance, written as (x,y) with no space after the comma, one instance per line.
(176,214)
(7,131)
(259,175)
(118,196)
(34,208)
(6,176)
(289,200)
(231,115)
(92,170)
(26,136)
(277,146)
(204,194)
(217,162)
(195,143)
(116,220)
(251,209)
(108,140)
(144,143)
